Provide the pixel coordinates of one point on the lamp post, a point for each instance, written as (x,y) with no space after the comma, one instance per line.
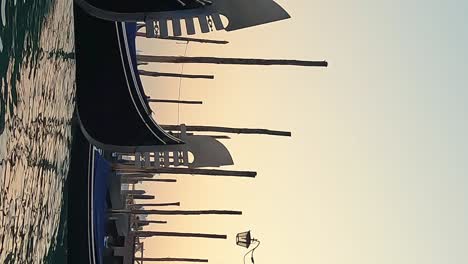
(245,239)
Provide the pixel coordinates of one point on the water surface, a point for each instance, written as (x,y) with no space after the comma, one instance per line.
(37,90)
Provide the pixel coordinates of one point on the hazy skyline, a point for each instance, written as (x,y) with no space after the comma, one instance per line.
(375,170)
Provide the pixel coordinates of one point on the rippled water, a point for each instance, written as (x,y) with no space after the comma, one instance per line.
(37,85)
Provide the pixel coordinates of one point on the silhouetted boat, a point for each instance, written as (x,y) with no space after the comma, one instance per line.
(113,110)
(87,207)
(112,107)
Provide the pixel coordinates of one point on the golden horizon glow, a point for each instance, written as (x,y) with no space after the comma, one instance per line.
(375,171)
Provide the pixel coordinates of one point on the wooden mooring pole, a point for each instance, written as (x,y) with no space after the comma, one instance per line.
(133,179)
(133,192)
(157,204)
(232,130)
(178,234)
(143,197)
(151,222)
(174,101)
(208,41)
(169,259)
(236,61)
(213,136)
(136,175)
(175,75)
(187,171)
(176,212)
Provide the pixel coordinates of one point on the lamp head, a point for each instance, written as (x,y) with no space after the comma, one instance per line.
(244,239)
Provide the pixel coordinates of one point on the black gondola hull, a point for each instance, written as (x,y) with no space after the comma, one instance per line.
(113,110)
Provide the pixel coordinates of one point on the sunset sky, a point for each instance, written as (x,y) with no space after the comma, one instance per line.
(376,170)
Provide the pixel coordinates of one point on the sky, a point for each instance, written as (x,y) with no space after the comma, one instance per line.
(375,171)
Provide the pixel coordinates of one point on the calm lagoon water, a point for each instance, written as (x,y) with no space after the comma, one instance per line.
(37,90)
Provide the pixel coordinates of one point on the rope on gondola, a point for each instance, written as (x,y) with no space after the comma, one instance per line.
(180,83)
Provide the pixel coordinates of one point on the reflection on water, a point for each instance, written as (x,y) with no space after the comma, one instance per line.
(37,71)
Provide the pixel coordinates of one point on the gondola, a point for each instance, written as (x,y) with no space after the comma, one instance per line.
(88,177)
(112,107)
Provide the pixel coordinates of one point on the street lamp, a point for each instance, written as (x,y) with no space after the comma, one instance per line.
(245,239)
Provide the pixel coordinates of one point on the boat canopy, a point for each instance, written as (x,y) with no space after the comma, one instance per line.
(157,14)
